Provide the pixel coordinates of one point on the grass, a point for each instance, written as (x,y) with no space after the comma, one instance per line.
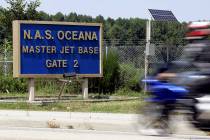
(124,92)
(128,93)
(118,107)
(14,94)
(131,106)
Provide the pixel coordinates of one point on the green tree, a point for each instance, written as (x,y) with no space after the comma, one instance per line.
(168,32)
(168,36)
(31,12)
(2,27)
(117,34)
(107,26)
(99,19)
(84,18)
(17,10)
(136,30)
(44,16)
(58,17)
(72,17)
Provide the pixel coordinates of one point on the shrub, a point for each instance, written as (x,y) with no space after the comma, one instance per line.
(110,81)
(130,76)
(9,84)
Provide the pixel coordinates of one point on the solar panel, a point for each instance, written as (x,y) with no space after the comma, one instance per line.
(162,15)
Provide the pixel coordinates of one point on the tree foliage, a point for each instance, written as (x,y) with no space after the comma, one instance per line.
(17,10)
(117,32)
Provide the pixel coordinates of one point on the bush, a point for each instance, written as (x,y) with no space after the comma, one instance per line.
(130,76)
(110,81)
(9,84)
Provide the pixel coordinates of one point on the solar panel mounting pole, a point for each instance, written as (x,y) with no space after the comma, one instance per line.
(156,15)
(148,37)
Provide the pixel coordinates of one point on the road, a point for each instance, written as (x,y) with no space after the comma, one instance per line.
(24,133)
(34,125)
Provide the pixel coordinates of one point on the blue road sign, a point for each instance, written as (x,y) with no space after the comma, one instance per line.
(50,49)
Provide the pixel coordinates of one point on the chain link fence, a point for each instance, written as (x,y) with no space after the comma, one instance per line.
(160,53)
(6,62)
(130,57)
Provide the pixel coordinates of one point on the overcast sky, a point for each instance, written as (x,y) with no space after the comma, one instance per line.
(184,10)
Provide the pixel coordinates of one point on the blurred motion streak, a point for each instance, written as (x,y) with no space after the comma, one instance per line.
(175,88)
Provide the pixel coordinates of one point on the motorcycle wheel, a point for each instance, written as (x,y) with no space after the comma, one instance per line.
(152,117)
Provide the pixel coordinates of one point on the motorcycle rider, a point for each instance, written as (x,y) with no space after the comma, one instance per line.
(196,56)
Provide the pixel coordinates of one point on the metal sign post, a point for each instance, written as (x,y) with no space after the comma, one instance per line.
(31,90)
(85,88)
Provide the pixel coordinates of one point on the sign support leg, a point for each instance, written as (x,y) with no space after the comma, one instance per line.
(31,90)
(85,88)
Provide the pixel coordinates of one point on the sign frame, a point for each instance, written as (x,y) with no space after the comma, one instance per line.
(17,47)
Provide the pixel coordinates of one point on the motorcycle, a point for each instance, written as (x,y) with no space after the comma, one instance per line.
(186,93)
(164,97)
(188,89)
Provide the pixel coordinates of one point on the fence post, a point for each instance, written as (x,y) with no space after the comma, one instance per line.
(5,57)
(5,62)
(106,51)
(167,53)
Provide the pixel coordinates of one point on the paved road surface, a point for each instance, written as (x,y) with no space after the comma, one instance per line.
(32,125)
(23,133)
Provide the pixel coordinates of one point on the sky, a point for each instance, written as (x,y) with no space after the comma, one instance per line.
(184,10)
